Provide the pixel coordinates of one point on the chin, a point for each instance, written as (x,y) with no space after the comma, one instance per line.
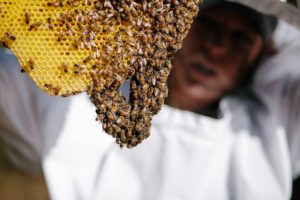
(202,95)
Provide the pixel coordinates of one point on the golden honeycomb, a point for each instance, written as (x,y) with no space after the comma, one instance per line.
(71,46)
(52,52)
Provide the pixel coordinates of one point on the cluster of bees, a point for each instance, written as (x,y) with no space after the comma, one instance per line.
(157,29)
(128,39)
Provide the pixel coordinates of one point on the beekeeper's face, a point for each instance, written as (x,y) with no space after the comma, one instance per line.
(219,47)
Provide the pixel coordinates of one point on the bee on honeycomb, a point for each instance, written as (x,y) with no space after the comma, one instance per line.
(94,46)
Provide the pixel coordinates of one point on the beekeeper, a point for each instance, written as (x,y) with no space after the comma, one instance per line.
(229,129)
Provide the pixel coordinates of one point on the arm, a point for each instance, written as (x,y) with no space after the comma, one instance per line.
(18,130)
(278,84)
(30,120)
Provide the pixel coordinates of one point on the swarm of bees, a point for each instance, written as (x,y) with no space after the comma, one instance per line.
(71,46)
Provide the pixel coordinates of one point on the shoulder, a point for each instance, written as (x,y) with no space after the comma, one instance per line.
(285,64)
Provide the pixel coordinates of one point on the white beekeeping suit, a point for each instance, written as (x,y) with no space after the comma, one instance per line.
(251,153)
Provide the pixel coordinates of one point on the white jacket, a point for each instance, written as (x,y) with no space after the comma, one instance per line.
(251,153)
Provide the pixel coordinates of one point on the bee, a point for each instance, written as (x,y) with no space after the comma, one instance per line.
(52,88)
(70,30)
(59,3)
(129,133)
(27,18)
(122,135)
(72,3)
(31,64)
(116,128)
(100,117)
(96,53)
(107,4)
(50,4)
(124,113)
(67,94)
(77,43)
(60,36)
(28,67)
(35,26)
(109,48)
(50,23)
(87,59)
(79,69)
(145,5)
(110,116)
(86,2)
(134,142)
(10,36)
(65,67)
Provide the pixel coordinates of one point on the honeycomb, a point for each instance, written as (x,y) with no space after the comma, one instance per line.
(94,46)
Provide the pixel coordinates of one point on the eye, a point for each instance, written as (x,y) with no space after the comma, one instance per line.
(205,23)
(240,38)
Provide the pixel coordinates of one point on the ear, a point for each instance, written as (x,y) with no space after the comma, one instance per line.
(255,50)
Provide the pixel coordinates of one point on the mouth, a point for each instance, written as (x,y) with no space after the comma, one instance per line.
(207,71)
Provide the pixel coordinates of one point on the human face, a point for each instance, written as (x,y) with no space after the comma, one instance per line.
(215,55)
